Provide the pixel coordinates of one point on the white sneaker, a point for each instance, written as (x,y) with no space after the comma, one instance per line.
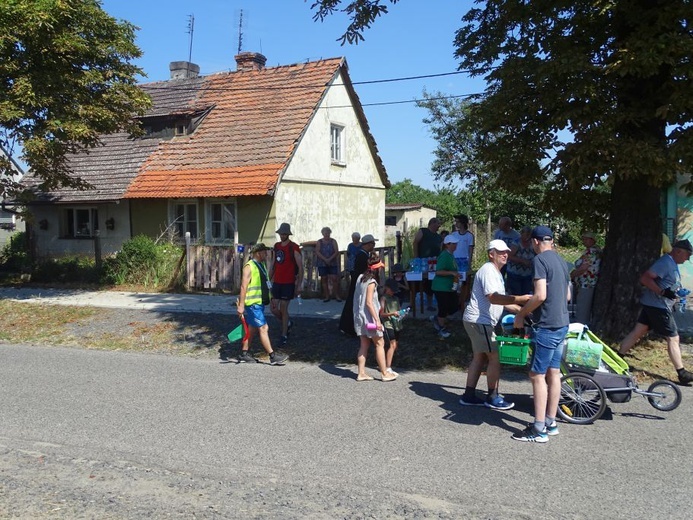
(390,371)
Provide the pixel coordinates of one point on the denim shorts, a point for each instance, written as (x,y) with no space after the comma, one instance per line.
(548,349)
(255,315)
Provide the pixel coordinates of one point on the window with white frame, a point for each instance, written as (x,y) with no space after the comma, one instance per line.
(79,222)
(221,221)
(184,216)
(337,144)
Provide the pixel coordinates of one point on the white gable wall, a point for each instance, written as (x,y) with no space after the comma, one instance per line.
(314,193)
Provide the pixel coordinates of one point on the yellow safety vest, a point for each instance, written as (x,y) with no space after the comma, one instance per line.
(254,293)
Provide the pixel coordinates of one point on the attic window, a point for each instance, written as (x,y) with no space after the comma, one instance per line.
(337,144)
(181,129)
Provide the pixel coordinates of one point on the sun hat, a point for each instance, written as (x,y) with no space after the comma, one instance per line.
(542,233)
(498,245)
(684,244)
(398,268)
(259,247)
(589,234)
(284,229)
(368,238)
(450,239)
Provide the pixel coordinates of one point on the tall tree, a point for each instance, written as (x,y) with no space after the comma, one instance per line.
(66,76)
(582,94)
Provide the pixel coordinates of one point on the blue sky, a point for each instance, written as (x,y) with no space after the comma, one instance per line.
(414,39)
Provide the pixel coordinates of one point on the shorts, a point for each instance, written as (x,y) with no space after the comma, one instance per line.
(548,349)
(283,291)
(661,321)
(448,303)
(482,336)
(327,270)
(392,333)
(255,315)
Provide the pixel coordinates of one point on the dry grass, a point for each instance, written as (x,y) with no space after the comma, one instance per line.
(205,335)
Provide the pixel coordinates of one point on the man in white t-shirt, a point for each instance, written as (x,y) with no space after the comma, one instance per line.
(480,317)
(463,255)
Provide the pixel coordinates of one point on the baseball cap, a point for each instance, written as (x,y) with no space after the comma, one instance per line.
(365,239)
(450,239)
(542,233)
(498,245)
(684,244)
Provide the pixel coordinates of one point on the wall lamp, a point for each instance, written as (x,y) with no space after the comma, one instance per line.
(110,224)
(43,224)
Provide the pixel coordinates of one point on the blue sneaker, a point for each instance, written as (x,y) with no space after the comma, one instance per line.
(498,403)
(551,430)
(529,434)
(434,320)
(471,400)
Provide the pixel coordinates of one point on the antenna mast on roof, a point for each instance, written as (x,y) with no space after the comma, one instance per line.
(190,31)
(240,32)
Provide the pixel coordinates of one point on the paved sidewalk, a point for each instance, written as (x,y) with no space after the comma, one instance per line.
(196,303)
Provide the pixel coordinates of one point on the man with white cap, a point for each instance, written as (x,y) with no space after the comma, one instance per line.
(480,318)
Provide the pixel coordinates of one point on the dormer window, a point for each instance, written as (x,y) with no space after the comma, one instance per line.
(181,128)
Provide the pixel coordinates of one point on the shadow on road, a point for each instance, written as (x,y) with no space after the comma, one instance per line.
(449,396)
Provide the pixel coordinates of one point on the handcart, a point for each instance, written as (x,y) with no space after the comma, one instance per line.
(592,372)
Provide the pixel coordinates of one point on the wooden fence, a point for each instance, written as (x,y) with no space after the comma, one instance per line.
(218,268)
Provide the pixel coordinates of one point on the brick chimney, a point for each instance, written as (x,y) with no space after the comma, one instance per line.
(250,61)
(183,70)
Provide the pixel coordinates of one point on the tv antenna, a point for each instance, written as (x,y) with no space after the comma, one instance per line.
(241,24)
(190,31)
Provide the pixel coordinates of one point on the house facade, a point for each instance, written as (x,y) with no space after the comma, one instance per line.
(226,158)
(405,218)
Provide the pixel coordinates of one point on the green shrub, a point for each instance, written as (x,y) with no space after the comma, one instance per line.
(143,261)
(74,269)
(14,255)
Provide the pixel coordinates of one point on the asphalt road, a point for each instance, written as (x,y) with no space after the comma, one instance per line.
(94,434)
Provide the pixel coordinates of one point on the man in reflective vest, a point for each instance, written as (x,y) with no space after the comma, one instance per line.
(254,295)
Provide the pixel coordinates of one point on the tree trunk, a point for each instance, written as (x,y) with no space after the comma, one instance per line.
(633,243)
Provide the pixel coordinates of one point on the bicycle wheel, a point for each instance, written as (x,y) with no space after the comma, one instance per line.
(669,396)
(582,401)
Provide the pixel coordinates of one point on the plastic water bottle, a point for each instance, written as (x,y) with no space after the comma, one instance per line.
(682,294)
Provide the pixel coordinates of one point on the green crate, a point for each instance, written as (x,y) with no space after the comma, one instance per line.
(513,351)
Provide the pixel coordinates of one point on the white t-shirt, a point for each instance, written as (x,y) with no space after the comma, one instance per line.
(487,281)
(465,241)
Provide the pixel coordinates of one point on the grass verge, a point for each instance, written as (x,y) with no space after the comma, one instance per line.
(313,340)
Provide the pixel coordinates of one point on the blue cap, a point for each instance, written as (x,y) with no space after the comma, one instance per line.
(542,233)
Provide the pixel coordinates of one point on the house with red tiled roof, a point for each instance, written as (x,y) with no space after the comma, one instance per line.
(227,158)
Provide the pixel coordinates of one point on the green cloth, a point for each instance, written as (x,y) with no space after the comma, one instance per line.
(391,305)
(443,283)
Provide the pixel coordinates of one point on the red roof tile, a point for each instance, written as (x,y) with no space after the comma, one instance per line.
(246,139)
(218,182)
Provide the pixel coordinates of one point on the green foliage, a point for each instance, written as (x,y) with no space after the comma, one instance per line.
(67,76)
(75,269)
(362,12)
(142,261)
(14,256)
